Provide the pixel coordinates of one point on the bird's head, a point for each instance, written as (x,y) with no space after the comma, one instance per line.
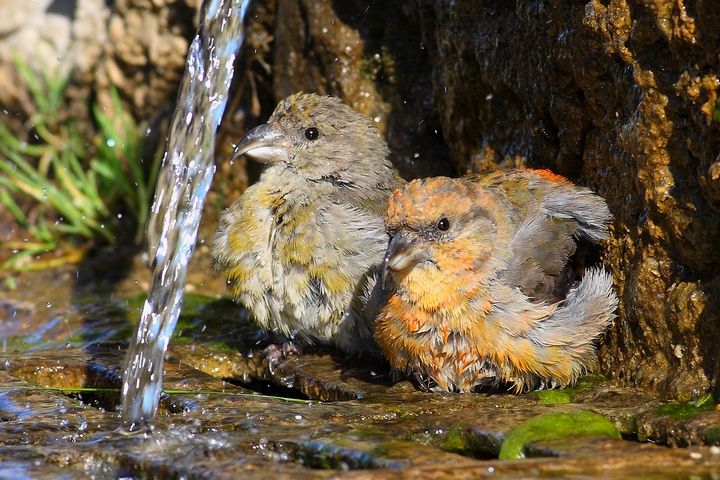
(439,227)
(317,137)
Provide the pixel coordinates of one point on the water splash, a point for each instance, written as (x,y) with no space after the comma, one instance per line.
(183,183)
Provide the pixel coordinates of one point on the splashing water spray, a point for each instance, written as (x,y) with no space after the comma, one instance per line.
(183,183)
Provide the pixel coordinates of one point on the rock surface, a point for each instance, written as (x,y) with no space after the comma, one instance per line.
(230,413)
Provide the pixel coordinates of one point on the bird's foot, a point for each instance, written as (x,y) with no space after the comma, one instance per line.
(422,382)
(275,352)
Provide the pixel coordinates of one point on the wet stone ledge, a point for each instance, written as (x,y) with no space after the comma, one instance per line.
(231,413)
(363,425)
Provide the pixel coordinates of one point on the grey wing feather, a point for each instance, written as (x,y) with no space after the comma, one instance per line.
(540,250)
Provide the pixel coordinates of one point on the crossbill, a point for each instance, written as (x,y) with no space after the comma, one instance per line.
(480,290)
(302,248)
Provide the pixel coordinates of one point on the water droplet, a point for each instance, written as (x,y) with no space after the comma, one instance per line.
(82,423)
(48,304)
(110,142)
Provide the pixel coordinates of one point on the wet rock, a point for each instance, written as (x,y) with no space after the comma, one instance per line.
(355,51)
(710,185)
(210,424)
(614,94)
(620,97)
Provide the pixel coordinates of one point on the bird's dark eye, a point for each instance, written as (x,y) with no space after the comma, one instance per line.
(443,224)
(312,133)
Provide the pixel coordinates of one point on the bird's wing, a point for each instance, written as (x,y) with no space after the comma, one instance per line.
(557,197)
(565,200)
(539,255)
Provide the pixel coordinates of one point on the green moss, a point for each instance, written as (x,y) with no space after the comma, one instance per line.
(587,382)
(398,410)
(552,427)
(193,303)
(554,397)
(565,395)
(135,304)
(716,112)
(712,436)
(686,410)
(456,441)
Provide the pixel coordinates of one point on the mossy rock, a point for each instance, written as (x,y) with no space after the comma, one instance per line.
(553,427)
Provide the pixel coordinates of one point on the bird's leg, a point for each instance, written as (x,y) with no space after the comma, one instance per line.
(275,352)
(425,384)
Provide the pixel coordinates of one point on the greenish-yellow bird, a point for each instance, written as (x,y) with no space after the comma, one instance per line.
(303,247)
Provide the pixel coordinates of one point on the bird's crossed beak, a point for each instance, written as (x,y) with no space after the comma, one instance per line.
(403,254)
(263,144)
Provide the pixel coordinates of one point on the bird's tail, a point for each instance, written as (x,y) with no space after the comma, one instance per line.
(564,342)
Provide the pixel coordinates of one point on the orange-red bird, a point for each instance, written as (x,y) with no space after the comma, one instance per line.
(480,291)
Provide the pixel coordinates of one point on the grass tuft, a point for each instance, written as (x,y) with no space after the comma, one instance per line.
(61,186)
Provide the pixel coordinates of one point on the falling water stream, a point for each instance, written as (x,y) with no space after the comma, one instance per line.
(184,180)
